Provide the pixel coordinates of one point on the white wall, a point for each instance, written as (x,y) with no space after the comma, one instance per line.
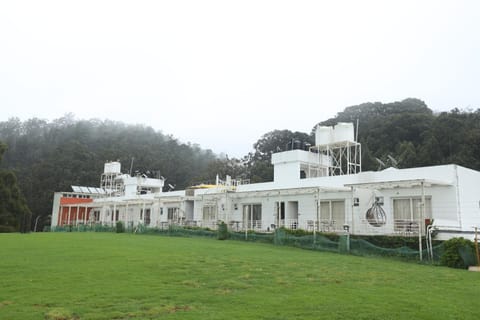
(55,208)
(469,198)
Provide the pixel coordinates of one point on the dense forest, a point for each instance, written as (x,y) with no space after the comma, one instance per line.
(14,212)
(51,156)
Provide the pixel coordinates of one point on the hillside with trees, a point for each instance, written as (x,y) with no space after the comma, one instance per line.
(14,212)
(51,156)
(412,135)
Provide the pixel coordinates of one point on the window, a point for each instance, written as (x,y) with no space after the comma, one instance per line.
(332,215)
(172,214)
(407,211)
(280,210)
(116,215)
(147,216)
(209,213)
(252,215)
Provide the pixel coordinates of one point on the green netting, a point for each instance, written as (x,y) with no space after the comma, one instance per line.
(395,246)
(468,256)
(177,231)
(252,236)
(83,228)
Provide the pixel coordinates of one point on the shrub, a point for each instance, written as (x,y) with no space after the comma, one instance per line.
(120,228)
(222,231)
(7,229)
(296,232)
(458,253)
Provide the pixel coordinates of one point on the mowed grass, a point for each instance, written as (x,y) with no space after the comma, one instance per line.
(125,276)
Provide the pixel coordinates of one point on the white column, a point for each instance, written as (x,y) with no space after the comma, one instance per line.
(126,215)
(143,214)
(60,216)
(78,215)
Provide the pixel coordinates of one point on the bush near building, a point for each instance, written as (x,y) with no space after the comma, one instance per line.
(458,253)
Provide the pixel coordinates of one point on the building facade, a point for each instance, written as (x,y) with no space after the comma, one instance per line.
(320,188)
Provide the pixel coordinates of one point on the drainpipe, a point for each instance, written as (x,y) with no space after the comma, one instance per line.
(315,223)
(352,206)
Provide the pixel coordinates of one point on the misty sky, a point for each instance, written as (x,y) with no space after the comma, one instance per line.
(222,73)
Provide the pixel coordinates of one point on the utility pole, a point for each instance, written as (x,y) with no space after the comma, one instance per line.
(476,247)
(36,221)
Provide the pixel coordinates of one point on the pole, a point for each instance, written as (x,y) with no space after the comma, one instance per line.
(36,220)
(245,221)
(476,247)
(131,166)
(420,224)
(315,223)
(353,206)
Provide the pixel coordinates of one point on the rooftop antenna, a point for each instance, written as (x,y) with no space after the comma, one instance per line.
(356,131)
(393,161)
(131,166)
(381,164)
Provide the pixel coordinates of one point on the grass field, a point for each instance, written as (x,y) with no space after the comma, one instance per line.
(125,276)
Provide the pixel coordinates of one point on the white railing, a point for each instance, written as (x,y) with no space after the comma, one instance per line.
(405,226)
(326,225)
(288,223)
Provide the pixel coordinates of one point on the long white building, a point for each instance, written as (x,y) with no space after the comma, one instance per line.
(320,188)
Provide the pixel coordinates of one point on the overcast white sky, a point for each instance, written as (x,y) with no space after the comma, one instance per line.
(222,73)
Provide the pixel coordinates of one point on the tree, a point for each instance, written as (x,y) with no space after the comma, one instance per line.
(233,167)
(14,212)
(407,154)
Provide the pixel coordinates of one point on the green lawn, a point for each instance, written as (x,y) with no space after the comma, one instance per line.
(125,276)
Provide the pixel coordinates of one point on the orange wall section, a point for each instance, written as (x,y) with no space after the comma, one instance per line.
(74,215)
(64,200)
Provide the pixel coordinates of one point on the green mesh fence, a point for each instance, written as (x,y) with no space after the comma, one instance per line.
(468,256)
(83,228)
(397,247)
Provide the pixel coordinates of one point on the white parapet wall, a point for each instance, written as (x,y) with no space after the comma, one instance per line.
(287,165)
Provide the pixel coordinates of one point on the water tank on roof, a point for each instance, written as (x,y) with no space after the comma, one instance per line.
(112,167)
(343,132)
(323,135)
(297,144)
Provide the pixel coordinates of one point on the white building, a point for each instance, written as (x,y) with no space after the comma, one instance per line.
(321,189)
